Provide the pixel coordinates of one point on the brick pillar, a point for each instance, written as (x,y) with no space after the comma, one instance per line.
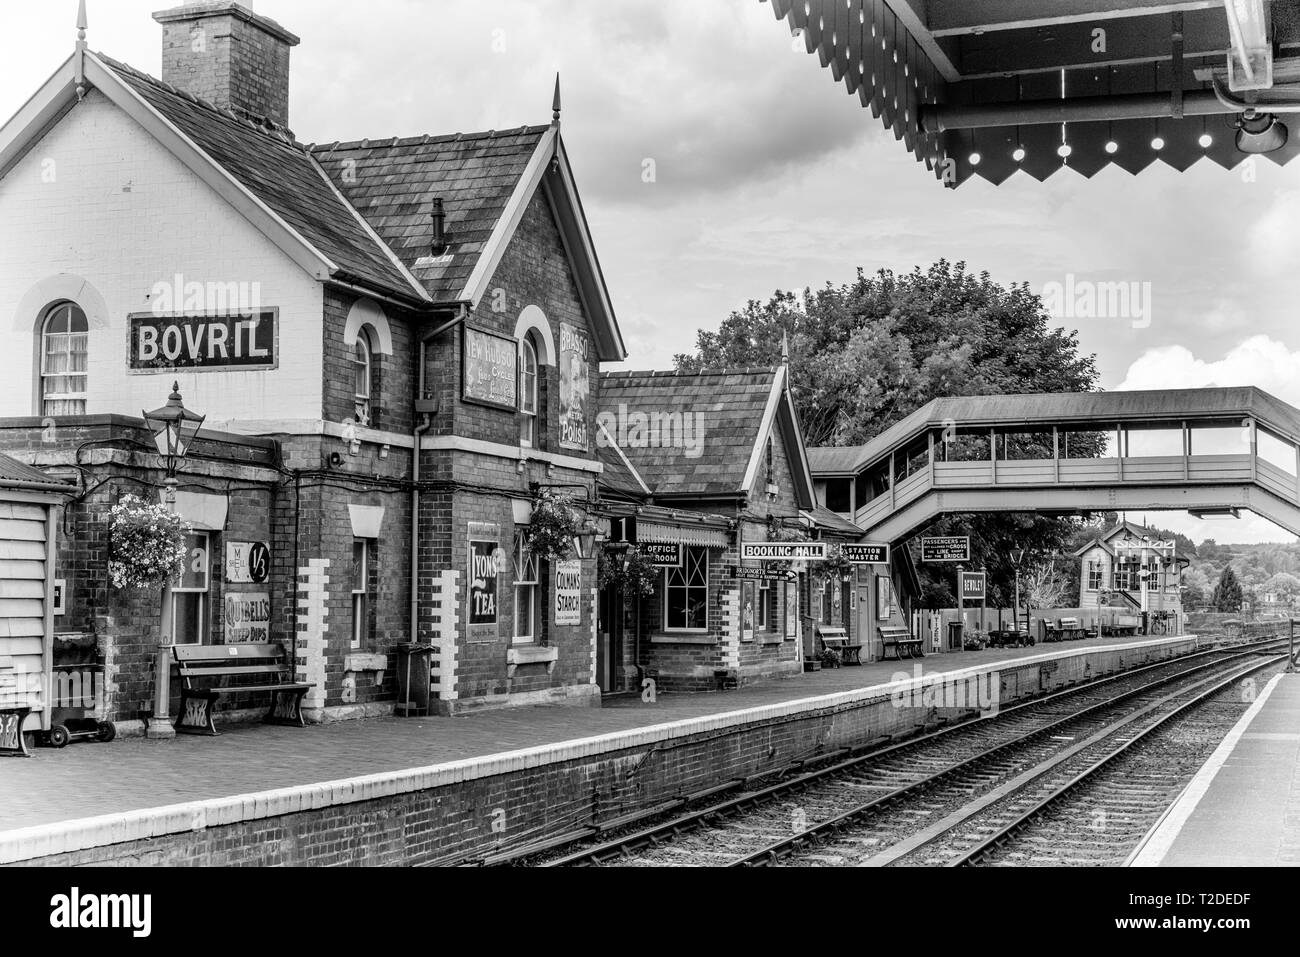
(313,607)
(731,628)
(446,616)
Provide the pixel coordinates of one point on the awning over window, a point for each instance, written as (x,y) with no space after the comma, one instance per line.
(685,534)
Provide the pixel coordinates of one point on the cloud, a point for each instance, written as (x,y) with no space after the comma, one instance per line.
(1259,361)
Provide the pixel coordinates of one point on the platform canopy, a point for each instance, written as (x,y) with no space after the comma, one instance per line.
(987,87)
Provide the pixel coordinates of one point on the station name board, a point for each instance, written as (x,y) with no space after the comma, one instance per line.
(165,343)
(954,548)
(864,553)
(785,551)
(972,586)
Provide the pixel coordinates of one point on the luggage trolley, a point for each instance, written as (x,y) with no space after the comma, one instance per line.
(78,691)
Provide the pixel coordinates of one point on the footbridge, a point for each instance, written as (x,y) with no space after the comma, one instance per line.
(1207,451)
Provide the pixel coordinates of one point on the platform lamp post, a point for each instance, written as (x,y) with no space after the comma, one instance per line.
(1017,559)
(173,428)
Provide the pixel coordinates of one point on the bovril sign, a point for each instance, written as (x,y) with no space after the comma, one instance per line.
(164,343)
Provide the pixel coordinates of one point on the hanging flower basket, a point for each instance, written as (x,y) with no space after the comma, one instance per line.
(630,571)
(554,526)
(146,545)
(836,567)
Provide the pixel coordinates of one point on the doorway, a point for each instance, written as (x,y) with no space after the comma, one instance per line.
(609,641)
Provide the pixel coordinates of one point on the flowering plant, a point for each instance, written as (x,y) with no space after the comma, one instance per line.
(636,575)
(554,526)
(146,544)
(836,567)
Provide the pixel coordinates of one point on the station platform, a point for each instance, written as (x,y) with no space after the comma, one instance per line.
(91,794)
(1242,809)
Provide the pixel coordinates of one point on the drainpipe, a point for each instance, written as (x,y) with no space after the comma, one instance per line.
(426,409)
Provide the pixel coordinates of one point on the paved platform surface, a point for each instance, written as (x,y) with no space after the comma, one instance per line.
(1243,807)
(90,779)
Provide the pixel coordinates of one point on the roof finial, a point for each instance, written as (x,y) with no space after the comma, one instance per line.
(555,119)
(785,348)
(82,24)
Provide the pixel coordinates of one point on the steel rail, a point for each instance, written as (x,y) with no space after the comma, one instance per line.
(775,851)
(624,845)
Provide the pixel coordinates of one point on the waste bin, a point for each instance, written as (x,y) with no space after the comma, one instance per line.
(954,635)
(413,679)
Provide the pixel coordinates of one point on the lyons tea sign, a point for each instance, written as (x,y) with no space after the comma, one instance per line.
(165,343)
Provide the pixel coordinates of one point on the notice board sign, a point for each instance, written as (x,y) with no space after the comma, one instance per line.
(245,341)
(247,563)
(972,586)
(955,548)
(490,369)
(575,388)
(568,592)
(248,618)
(485,564)
(663,554)
(866,553)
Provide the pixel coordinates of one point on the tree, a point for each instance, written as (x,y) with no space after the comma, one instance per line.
(1045,586)
(1284,586)
(1227,593)
(866,354)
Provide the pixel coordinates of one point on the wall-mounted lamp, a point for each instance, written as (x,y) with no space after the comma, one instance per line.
(1261,133)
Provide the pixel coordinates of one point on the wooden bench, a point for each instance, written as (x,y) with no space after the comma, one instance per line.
(899,638)
(204,663)
(836,637)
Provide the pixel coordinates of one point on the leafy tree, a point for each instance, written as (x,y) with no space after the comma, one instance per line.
(866,354)
(1227,593)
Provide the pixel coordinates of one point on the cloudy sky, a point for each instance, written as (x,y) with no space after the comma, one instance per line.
(766,173)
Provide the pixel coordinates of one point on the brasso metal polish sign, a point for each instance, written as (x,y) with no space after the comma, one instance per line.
(164,343)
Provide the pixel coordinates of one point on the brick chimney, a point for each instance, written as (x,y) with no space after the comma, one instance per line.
(228,55)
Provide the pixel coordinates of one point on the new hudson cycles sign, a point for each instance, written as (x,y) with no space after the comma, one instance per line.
(164,343)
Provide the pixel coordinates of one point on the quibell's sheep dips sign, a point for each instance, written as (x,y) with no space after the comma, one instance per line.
(164,343)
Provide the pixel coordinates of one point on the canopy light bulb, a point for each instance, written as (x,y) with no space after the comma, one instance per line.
(1112,147)
(1064,150)
(1019,154)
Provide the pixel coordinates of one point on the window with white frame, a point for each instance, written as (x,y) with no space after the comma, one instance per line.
(362,378)
(1094,576)
(686,593)
(763,619)
(1122,577)
(64,353)
(190,607)
(528,393)
(360,591)
(527,593)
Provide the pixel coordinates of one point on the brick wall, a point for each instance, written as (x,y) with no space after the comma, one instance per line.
(141,217)
(229,62)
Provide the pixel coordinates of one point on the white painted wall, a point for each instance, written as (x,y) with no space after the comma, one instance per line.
(123,214)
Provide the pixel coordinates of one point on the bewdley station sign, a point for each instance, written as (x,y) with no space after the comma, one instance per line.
(164,343)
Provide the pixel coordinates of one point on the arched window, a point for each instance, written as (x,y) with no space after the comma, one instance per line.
(361,376)
(528,393)
(64,335)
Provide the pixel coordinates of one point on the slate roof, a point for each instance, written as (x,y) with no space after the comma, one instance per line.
(15,474)
(281,173)
(830,521)
(617,476)
(729,407)
(392,183)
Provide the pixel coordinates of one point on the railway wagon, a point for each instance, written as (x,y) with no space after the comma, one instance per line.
(1065,629)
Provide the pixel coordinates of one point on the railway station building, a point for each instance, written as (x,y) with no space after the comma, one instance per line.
(396,344)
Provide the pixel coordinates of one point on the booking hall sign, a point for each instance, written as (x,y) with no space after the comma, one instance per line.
(164,343)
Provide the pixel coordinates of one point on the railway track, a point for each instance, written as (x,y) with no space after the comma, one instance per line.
(902,786)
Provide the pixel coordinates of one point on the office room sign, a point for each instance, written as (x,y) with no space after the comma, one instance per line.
(242,342)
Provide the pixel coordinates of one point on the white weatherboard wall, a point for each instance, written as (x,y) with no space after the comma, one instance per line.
(123,213)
